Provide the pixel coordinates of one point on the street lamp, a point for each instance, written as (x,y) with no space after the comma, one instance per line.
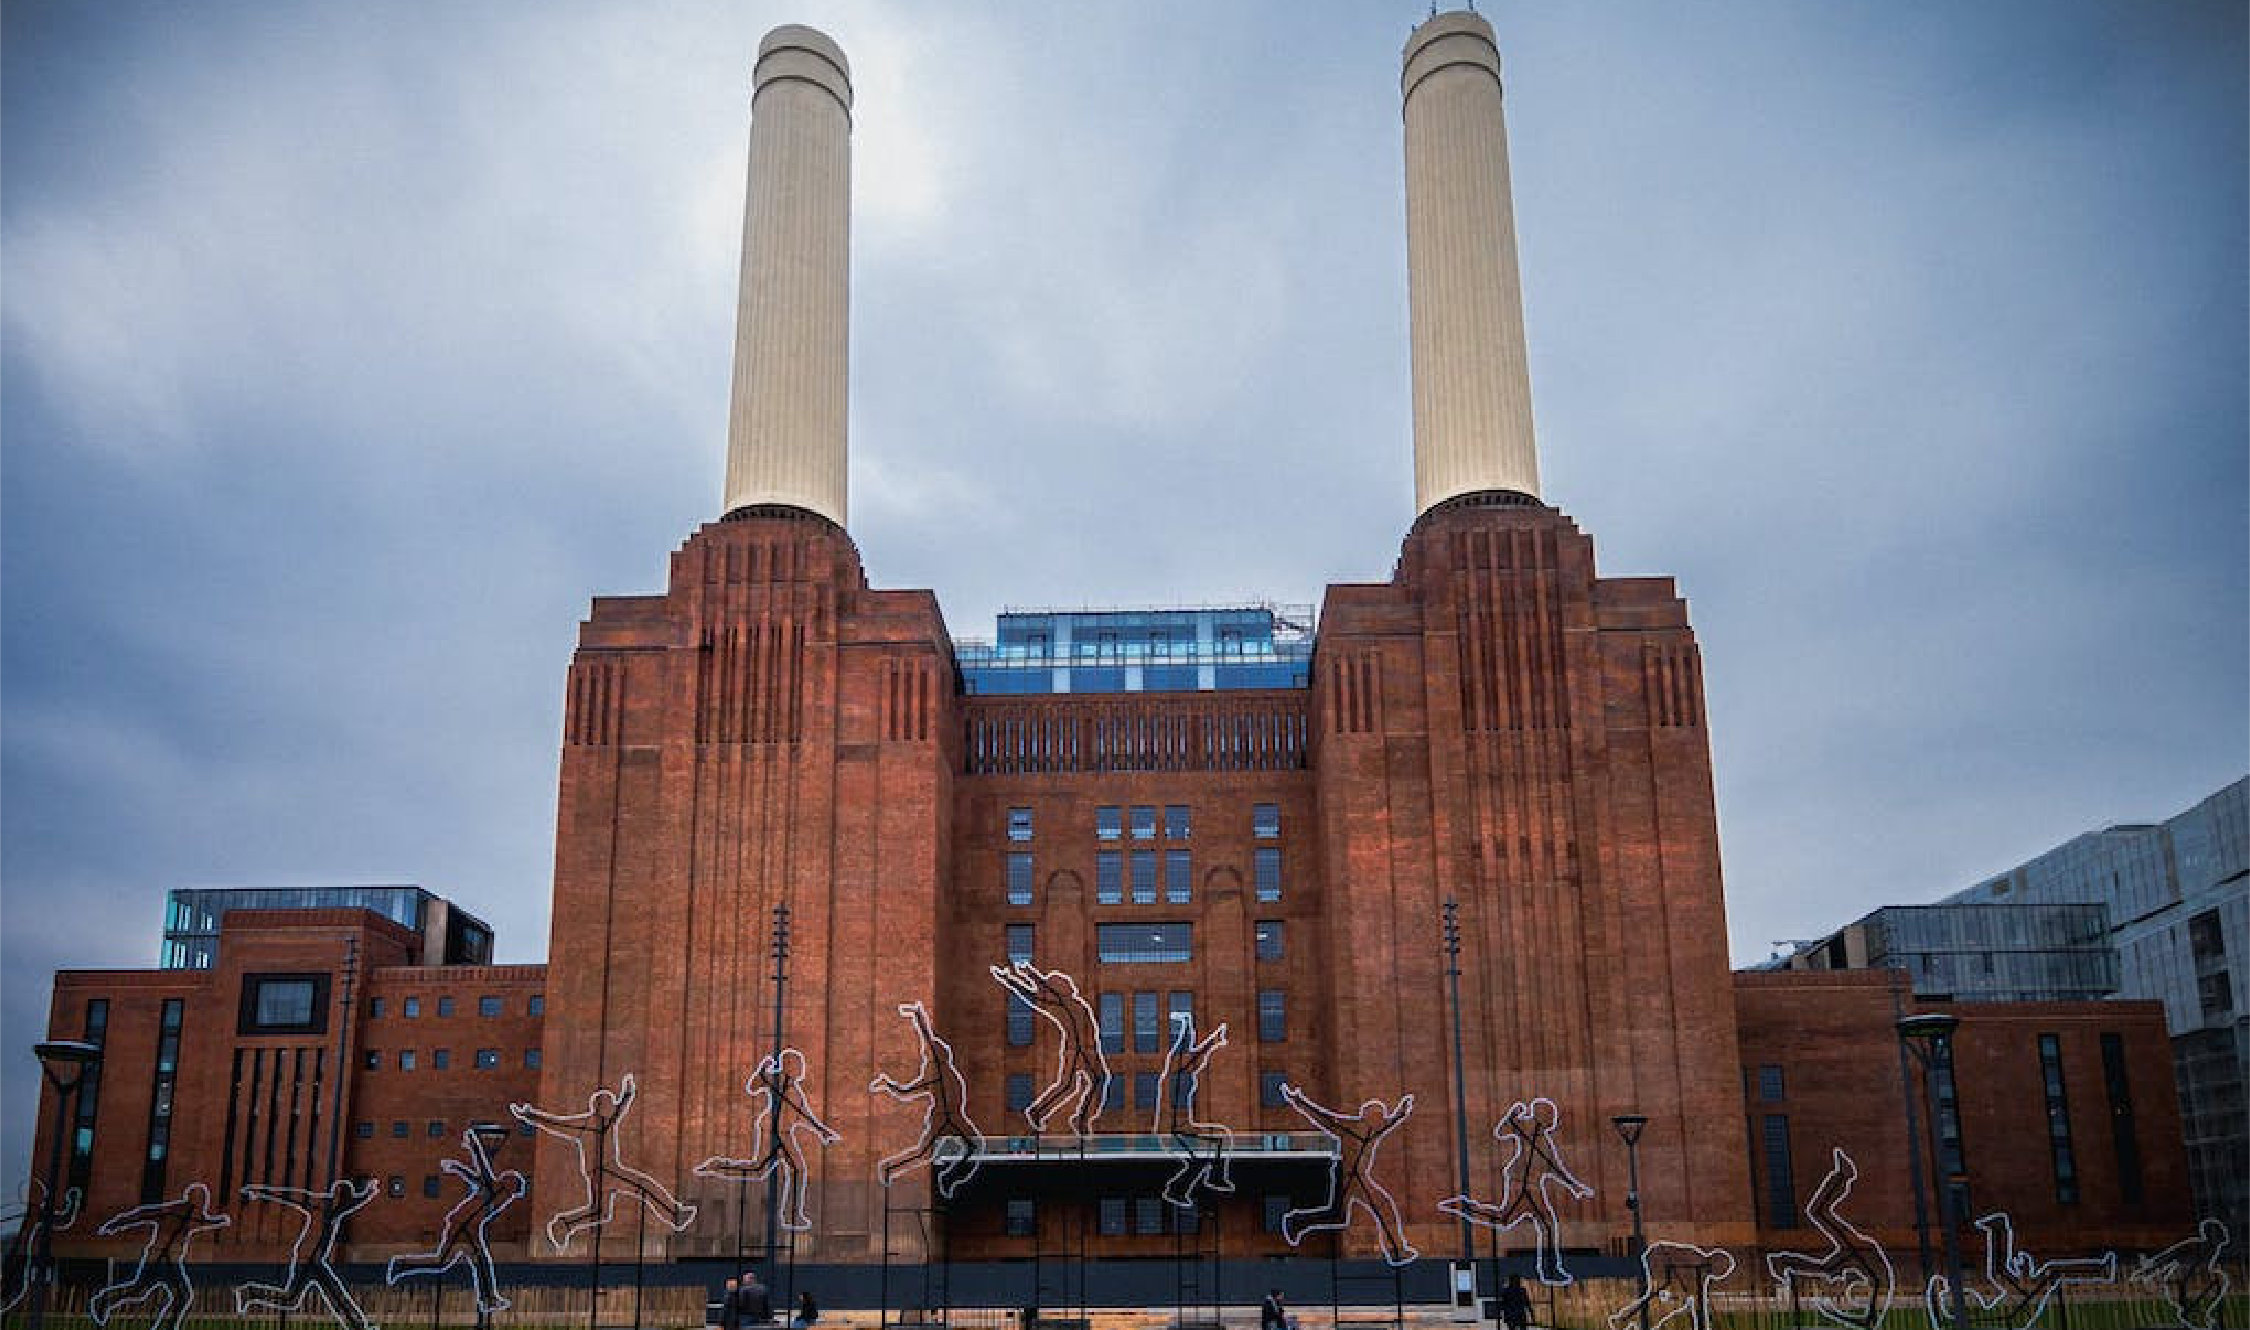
(1629,1127)
(1929,1037)
(65,1062)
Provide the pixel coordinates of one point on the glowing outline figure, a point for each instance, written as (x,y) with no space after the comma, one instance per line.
(773,1145)
(1852,1256)
(322,1212)
(1082,1084)
(172,1226)
(2173,1273)
(28,1221)
(1711,1265)
(605,1109)
(2015,1278)
(1184,1064)
(945,1118)
(1528,1199)
(461,1234)
(1351,1177)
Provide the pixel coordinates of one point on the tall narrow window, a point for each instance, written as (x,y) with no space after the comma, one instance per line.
(89,1097)
(1109,822)
(1265,821)
(1109,877)
(2058,1119)
(1781,1181)
(160,1101)
(1111,1007)
(1176,822)
(1273,1016)
(1021,1014)
(1265,866)
(2123,1136)
(1179,1003)
(1269,944)
(1144,877)
(1019,824)
(1952,1156)
(1144,1090)
(1146,1038)
(1019,877)
(1022,1217)
(1179,877)
(1144,822)
(1019,1091)
(1269,1088)
(1771,1087)
(1019,942)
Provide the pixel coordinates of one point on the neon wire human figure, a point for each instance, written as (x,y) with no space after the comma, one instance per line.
(1081,1071)
(26,1216)
(461,1234)
(2018,1286)
(1530,1127)
(950,1144)
(162,1269)
(2188,1275)
(780,1083)
(1677,1276)
(1854,1264)
(323,1212)
(601,1163)
(1204,1161)
(1351,1178)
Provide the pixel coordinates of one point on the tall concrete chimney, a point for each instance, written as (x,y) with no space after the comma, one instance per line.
(785,431)
(1472,376)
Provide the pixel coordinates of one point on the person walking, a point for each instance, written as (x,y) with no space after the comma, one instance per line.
(1515,1304)
(808,1311)
(753,1305)
(1273,1313)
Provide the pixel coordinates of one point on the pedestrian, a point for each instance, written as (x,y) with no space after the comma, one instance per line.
(808,1311)
(1515,1304)
(1273,1313)
(753,1305)
(728,1319)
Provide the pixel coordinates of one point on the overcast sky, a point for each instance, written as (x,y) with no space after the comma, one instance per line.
(346,356)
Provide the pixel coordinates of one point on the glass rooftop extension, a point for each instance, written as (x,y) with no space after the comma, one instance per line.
(192,917)
(1142,651)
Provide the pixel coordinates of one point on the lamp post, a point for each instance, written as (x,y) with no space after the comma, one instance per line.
(65,1062)
(1629,1127)
(1460,1075)
(1929,1037)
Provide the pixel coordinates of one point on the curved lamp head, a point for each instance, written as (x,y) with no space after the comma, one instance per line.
(1629,1125)
(1928,1026)
(66,1060)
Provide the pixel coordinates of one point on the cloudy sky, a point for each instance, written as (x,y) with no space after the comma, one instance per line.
(345,356)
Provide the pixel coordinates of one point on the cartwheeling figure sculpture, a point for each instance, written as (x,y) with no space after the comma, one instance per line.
(321,1216)
(1853,1278)
(461,1234)
(2017,1286)
(1534,1163)
(602,1166)
(950,1143)
(783,1111)
(16,1272)
(1351,1178)
(1678,1277)
(1081,1071)
(162,1270)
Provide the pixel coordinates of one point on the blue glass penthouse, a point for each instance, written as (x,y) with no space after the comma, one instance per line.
(1142,651)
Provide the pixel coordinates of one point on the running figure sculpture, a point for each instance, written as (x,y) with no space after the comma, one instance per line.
(1351,1178)
(951,1144)
(1677,1277)
(1203,1145)
(17,1276)
(780,1083)
(1530,1127)
(2188,1275)
(2017,1286)
(162,1270)
(1855,1266)
(461,1234)
(601,1163)
(318,1212)
(1081,1072)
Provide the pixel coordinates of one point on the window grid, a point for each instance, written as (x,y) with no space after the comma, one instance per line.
(1273,1016)
(1179,877)
(1268,937)
(1019,877)
(1265,866)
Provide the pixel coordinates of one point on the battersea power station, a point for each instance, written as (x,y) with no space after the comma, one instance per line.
(1254,933)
